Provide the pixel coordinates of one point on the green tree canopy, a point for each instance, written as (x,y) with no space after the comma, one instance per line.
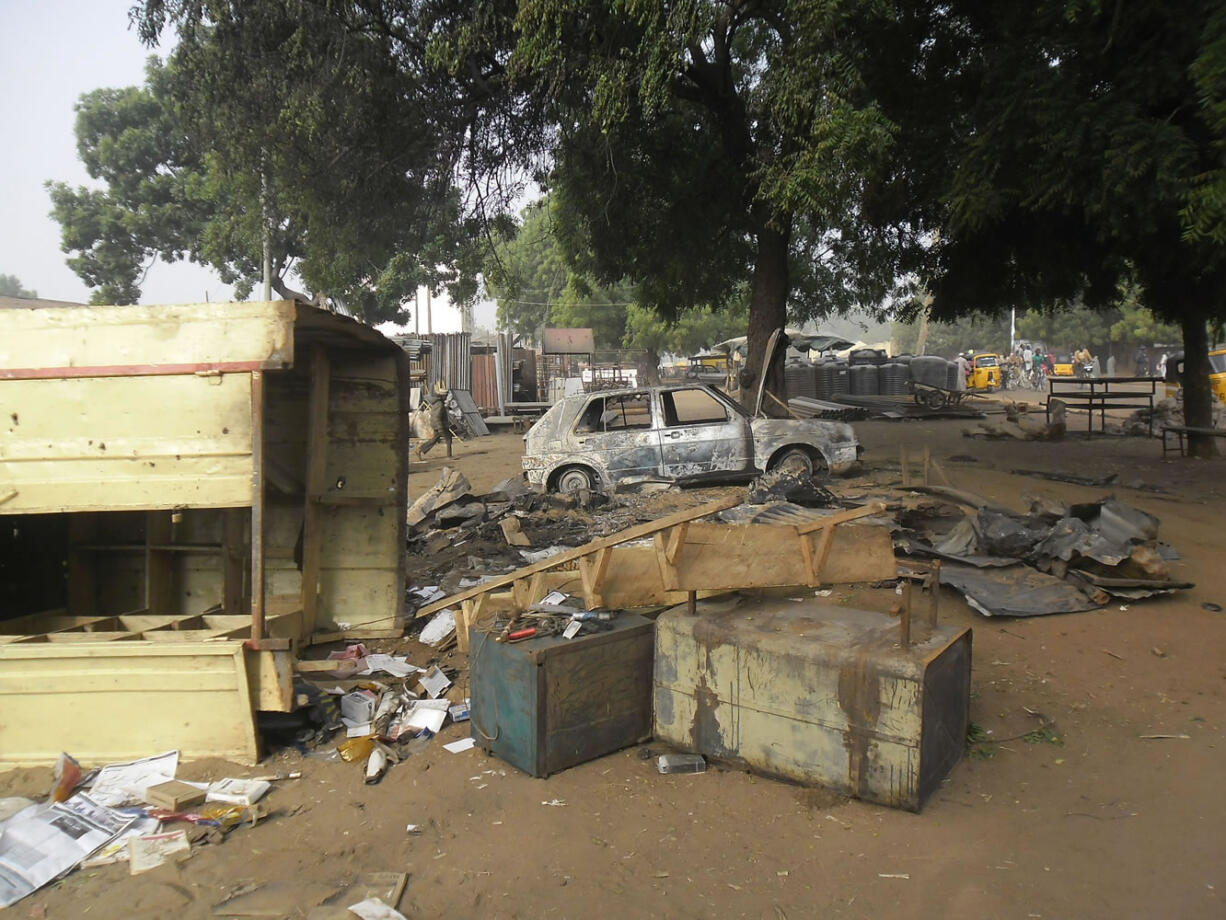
(1062,148)
(268,116)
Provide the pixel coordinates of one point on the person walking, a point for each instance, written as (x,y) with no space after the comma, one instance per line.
(1142,362)
(439,421)
(1161,369)
(1111,365)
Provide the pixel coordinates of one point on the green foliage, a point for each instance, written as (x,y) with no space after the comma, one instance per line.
(704,145)
(295,116)
(694,330)
(976,332)
(10,286)
(530,277)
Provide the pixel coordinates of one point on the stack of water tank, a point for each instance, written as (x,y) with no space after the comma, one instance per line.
(863,379)
(832,378)
(800,379)
(932,371)
(892,379)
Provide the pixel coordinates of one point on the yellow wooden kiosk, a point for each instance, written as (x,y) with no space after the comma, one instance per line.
(188,494)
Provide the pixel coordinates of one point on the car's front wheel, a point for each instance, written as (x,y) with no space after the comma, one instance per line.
(795,460)
(576,479)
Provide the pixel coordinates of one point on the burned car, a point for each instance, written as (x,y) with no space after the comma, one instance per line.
(682,432)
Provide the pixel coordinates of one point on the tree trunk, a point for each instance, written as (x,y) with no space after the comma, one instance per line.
(649,368)
(1197,397)
(767,312)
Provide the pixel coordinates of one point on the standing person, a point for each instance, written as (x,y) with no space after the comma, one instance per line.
(439,421)
(1142,362)
(1111,365)
(964,370)
(1161,370)
(1028,357)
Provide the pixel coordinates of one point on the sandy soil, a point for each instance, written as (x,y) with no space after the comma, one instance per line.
(1102,824)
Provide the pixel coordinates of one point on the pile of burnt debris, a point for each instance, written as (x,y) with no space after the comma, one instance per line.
(1053,558)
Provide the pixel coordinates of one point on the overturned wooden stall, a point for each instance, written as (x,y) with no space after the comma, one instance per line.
(188,494)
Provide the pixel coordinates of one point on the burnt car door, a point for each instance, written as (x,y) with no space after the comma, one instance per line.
(701,433)
(619,430)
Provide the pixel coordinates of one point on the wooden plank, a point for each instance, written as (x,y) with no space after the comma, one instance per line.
(316,468)
(592,570)
(257,505)
(822,552)
(841,517)
(578,552)
(235,597)
(667,569)
(118,700)
(136,443)
(148,339)
(728,557)
(676,537)
(160,597)
(270,678)
(82,565)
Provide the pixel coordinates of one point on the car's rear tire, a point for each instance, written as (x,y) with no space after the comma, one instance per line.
(795,460)
(576,479)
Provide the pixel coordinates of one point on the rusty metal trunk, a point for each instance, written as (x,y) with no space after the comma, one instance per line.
(815,694)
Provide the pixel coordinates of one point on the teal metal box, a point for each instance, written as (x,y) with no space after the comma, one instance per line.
(544,705)
(815,693)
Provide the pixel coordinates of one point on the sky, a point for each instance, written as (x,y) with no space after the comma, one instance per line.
(52,51)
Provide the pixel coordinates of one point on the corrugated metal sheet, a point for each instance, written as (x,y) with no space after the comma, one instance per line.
(451,359)
(569,342)
(485,383)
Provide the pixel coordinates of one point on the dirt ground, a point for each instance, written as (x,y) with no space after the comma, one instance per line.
(1099,823)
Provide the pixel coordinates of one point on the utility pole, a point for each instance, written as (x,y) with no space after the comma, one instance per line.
(417,312)
(429,317)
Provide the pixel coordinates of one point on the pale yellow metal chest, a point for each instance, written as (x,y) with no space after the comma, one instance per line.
(815,693)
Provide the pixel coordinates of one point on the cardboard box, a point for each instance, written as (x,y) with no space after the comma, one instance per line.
(174,795)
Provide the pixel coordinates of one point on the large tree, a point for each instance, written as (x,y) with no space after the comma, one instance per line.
(268,118)
(1062,148)
(701,145)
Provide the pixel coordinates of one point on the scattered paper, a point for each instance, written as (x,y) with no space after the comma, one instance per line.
(459,747)
(149,852)
(238,791)
(374,909)
(572,629)
(539,555)
(395,665)
(356,729)
(42,842)
(419,717)
(440,626)
(124,783)
(555,598)
(427,594)
(556,803)
(117,850)
(435,682)
(460,712)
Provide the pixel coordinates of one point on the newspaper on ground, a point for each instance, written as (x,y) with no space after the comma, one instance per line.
(149,851)
(117,850)
(124,783)
(439,627)
(43,842)
(395,665)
